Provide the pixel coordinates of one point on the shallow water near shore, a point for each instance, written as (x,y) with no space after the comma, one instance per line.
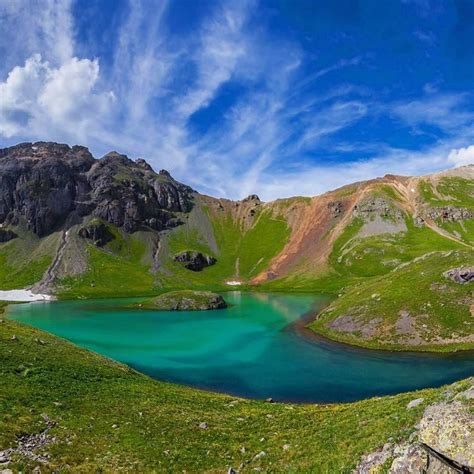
(251,349)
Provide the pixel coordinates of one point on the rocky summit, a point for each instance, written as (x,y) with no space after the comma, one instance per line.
(47,185)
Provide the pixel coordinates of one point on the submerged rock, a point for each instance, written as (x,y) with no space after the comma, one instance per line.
(194,261)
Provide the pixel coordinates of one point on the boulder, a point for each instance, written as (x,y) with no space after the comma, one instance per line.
(194,261)
(448,429)
(460,275)
(99,234)
(6,235)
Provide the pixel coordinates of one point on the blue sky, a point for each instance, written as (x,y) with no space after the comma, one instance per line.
(278,98)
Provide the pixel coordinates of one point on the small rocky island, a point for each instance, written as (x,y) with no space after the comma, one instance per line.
(185,300)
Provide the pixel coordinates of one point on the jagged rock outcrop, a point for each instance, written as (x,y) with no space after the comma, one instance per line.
(336,208)
(6,235)
(376,206)
(45,184)
(460,275)
(450,213)
(443,442)
(447,428)
(252,198)
(195,261)
(99,234)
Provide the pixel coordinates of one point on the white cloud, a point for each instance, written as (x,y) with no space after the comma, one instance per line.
(462,156)
(265,141)
(221,46)
(31,27)
(445,111)
(39,99)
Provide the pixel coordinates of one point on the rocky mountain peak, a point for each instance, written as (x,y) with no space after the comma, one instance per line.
(252,198)
(44,185)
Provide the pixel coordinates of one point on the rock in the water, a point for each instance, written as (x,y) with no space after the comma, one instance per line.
(195,261)
(6,235)
(185,300)
(460,275)
(99,234)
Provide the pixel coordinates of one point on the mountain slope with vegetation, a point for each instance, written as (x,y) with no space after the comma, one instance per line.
(78,227)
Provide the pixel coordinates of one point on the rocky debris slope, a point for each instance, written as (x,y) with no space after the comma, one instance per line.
(377,206)
(195,261)
(460,275)
(442,442)
(28,445)
(450,213)
(46,185)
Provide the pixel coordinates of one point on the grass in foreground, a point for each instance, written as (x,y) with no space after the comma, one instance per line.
(112,418)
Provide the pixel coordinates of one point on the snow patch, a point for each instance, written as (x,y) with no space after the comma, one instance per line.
(23,295)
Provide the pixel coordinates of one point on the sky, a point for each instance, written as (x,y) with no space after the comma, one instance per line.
(273,97)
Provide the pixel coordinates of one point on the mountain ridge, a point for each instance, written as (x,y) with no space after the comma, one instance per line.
(80,227)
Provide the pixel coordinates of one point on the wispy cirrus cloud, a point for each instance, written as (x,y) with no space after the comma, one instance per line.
(271,135)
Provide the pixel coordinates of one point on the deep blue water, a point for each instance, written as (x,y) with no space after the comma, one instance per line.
(250,349)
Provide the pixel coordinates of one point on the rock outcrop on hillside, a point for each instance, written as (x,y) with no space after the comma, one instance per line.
(6,235)
(97,233)
(195,261)
(450,213)
(376,206)
(48,185)
(442,443)
(460,275)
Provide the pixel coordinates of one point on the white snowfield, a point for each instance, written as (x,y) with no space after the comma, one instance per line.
(23,296)
(233,283)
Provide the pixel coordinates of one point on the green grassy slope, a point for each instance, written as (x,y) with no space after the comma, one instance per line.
(110,418)
(436,310)
(354,259)
(454,192)
(120,268)
(241,252)
(24,260)
(449,191)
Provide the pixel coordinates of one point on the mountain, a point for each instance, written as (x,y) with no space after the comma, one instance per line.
(77,226)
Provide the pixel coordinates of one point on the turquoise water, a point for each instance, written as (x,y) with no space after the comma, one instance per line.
(251,349)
